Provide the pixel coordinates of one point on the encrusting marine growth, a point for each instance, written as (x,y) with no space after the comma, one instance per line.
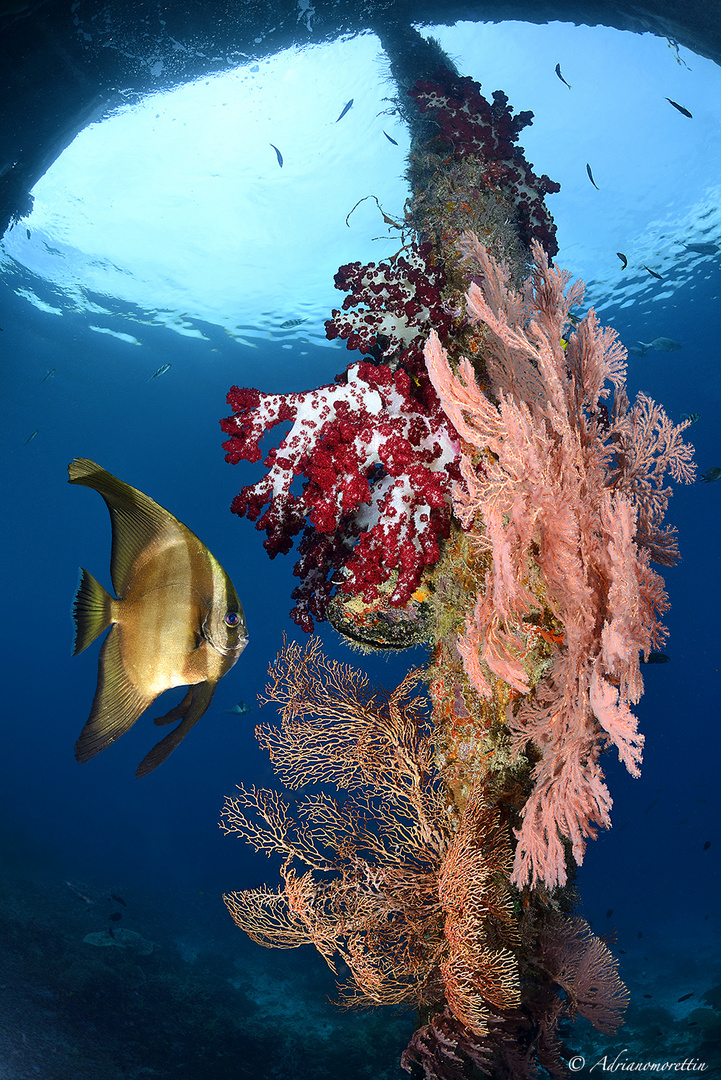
(479,482)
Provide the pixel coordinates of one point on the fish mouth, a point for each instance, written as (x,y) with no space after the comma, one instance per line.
(227,650)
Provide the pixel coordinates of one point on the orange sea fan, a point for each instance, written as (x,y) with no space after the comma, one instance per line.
(478,969)
(391,880)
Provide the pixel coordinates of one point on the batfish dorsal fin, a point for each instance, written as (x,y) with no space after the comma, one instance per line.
(191,708)
(117,703)
(137,520)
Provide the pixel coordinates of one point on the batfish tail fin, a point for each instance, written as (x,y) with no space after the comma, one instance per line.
(117,703)
(191,708)
(91,611)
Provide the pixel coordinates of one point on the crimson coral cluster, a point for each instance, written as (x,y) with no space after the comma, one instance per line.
(377,456)
(391,306)
(375,453)
(471,125)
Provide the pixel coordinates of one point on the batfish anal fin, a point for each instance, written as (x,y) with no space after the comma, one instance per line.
(194,704)
(178,712)
(138,521)
(91,611)
(117,703)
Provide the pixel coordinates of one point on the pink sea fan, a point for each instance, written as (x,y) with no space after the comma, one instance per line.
(552,485)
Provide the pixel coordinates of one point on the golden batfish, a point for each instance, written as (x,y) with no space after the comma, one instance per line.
(177,620)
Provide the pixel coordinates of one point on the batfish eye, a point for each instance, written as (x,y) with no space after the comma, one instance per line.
(232,618)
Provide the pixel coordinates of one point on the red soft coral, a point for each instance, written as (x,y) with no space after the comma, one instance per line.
(377,461)
(391,306)
(471,125)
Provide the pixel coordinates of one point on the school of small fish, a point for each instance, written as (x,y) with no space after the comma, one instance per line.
(700,248)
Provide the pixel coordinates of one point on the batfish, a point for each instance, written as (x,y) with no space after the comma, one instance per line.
(177,620)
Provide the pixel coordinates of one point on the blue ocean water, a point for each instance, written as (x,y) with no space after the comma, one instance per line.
(207,1003)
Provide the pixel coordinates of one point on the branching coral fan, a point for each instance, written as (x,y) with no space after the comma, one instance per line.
(568,500)
(390,878)
(571,973)
(410,894)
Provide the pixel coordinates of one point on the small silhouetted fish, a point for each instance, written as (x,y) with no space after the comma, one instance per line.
(558,72)
(178,620)
(685,997)
(32,436)
(647,995)
(652,272)
(662,344)
(624,260)
(709,477)
(346,107)
(160,371)
(389,138)
(27,231)
(241,709)
(640,934)
(702,248)
(690,418)
(609,913)
(290,323)
(590,177)
(80,895)
(111,931)
(115,916)
(48,376)
(707,845)
(118,899)
(680,108)
(656,658)
(277,154)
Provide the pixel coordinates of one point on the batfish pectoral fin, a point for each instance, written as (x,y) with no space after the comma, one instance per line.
(117,703)
(91,611)
(192,707)
(178,712)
